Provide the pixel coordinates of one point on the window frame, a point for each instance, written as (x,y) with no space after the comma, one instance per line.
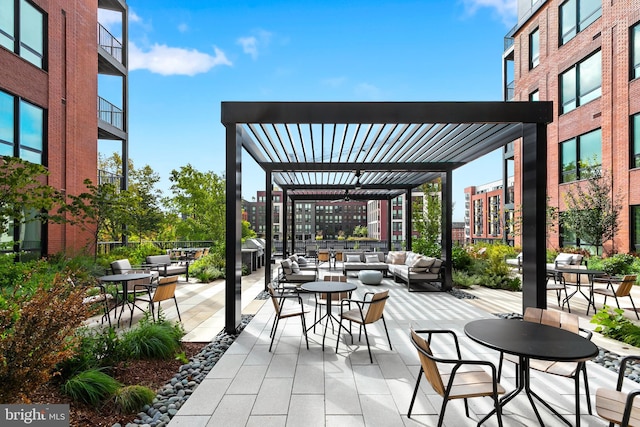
(634,56)
(578,171)
(22,48)
(578,100)
(534,60)
(17,145)
(580,25)
(634,141)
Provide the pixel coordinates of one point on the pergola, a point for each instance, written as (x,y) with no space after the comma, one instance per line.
(379,150)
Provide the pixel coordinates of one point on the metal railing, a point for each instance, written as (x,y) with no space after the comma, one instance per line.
(107,112)
(105,247)
(109,43)
(106,177)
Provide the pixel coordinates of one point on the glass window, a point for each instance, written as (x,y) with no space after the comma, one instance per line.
(581,83)
(635,229)
(7,27)
(635,141)
(534,96)
(534,49)
(6,124)
(576,15)
(635,51)
(31,34)
(31,132)
(581,156)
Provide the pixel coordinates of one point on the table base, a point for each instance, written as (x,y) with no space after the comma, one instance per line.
(329,318)
(524,384)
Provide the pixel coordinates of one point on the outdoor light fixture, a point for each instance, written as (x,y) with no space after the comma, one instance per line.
(358,185)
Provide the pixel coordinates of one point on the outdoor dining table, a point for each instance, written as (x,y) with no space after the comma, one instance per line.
(124,280)
(591,274)
(323,286)
(529,340)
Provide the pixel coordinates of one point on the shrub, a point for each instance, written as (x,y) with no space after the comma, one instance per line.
(149,340)
(91,386)
(618,264)
(461,260)
(132,398)
(208,268)
(463,279)
(36,332)
(612,323)
(97,348)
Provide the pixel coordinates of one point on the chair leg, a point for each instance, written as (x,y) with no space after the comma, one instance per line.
(273,331)
(338,337)
(586,387)
(366,336)
(415,392)
(466,407)
(634,307)
(177,309)
(304,329)
(387,332)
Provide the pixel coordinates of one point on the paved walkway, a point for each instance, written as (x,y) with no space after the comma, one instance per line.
(293,386)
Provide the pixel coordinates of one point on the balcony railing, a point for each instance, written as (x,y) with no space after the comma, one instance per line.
(109,113)
(109,43)
(106,177)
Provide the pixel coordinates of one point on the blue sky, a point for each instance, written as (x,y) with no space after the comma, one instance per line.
(187,57)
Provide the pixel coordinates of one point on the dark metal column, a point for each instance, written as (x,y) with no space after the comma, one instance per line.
(389,219)
(534,204)
(408,219)
(293,225)
(285,222)
(233,268)
(446,227)
(268,221)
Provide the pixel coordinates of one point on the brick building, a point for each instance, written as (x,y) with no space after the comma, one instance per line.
(50,109)
(484,212)
(585,57)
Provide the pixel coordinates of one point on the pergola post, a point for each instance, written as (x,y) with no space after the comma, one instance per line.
(408,223)
(233,222)
(268,215)
(534,215)
(285,223)
(389,219)
(446,229)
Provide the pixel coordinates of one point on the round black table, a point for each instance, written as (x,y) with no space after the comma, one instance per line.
(124,280)
(531,340)
(328,288)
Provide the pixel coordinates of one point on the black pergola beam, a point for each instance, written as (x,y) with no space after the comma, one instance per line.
(418,167)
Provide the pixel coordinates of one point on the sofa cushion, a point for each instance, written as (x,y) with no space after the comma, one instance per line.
(563,258)
(353,258)
(286,266)
(410,258)
(371,258)
(396,257)
(159,259)
(421,264)
(435,267)
(295,267)
(302,261)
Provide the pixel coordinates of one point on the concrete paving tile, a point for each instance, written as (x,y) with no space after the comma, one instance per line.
(233,411)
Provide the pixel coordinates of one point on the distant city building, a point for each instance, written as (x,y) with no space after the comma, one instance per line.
(485,218)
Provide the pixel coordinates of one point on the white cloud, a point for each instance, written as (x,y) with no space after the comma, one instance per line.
(251,45)
(166,60)
(368,91)
(506,9)
(109,18)
(133,17)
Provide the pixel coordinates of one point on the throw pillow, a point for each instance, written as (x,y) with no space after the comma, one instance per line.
(353,258)
(371,258)
(435,267)
(421,264)
(302,261)
(293,258)
(396,257)
(295,267)
(286,266)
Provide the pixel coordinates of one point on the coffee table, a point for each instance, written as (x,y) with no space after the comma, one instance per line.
(529,340)
(323,286)
(124,280)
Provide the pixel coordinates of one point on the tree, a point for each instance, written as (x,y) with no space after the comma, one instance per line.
(247,231)
(360,231)
(24,196)
(426,216)
(592,210)
(199,198)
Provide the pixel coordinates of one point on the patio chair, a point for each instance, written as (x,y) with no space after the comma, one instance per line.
(123,266)
(558,285)
(616,406)
(370,310)
(321,299)
(623,290)
(459,383)
(568,322)
(282,312)
(164,290)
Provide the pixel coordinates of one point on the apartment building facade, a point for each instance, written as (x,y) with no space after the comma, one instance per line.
(487,217)
(51,54)
(584,55)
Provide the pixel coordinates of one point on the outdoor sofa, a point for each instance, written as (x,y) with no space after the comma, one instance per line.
(166,266)
(297,270)
(356,261)
(413,268)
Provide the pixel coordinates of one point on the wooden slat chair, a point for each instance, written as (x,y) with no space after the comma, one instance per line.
(164,290)
(321,299)
(568,322)
(616,406)
(370,310)
(286,312)
(458,384)
(623,290)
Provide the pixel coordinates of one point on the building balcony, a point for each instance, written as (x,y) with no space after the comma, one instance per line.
(110,121)
(106,177)
(109,43)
